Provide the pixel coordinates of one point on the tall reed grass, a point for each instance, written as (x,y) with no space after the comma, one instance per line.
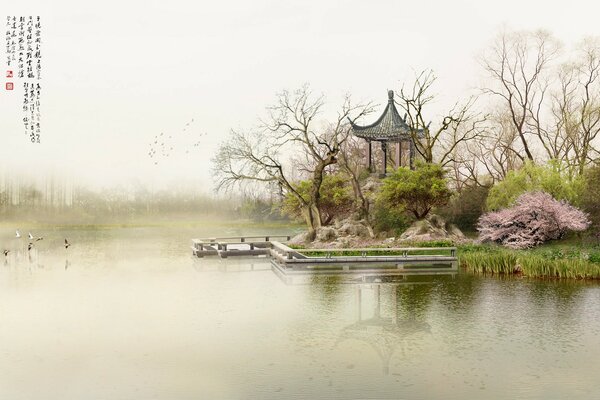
(502,261)
(497,262)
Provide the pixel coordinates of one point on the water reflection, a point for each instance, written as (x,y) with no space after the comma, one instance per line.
(383,330)
(134,307)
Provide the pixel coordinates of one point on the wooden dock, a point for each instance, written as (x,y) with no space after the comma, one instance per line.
(235,245)
(430,260)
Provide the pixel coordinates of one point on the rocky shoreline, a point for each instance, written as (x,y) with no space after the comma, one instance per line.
(349,233)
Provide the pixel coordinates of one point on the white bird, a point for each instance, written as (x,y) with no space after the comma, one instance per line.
(18,234)
(30,236)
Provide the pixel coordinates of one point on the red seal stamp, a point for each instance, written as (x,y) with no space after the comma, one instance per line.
(9,74)
(9,86)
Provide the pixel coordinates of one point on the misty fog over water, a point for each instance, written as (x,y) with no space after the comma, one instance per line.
(128,313)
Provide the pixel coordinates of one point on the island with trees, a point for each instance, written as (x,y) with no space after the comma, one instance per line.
(510,175)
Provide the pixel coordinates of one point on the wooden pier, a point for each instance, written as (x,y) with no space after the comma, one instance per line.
(430,260)
(235,245)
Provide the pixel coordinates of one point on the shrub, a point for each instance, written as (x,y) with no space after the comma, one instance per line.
(465,207)
(549,178)
(534,219)
(590,194)
(386,219)
(416,191)
(336,199)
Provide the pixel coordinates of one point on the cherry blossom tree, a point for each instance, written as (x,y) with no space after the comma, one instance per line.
(535,218)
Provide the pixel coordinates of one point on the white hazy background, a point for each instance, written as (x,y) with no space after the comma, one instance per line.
(118,73)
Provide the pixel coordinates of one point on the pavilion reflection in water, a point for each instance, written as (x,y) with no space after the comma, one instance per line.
(382,328)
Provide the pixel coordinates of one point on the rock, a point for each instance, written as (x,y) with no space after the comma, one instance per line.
(341,243)
(389,240)
(454,231)
(355,228)
(301,238)
(371,185)
(325,233)
(341,234)
(432,228)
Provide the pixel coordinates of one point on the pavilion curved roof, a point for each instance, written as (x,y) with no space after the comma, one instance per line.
(388,127)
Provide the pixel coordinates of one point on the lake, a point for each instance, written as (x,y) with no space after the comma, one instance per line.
(128,313)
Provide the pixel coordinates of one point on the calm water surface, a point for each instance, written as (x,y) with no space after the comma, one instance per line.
(129,314)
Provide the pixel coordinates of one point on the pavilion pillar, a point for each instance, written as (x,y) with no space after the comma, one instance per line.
(395,305)
(398,153)
(358,303)
(384,148)
(369,157)
(377,310)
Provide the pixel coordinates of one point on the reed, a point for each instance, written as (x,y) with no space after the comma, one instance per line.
(539,266)
(529,264)
(491,262)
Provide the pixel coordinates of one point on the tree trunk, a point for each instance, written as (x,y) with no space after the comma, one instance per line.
(312,216)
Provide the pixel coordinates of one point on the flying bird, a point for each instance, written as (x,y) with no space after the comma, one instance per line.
(67,244)
(6,253)
(18,234)
(35,238)
(30,246)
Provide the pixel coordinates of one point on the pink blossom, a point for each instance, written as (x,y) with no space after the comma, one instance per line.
(535,218)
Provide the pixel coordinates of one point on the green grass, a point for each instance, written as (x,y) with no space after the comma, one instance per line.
(573,259)
(352,253)
(494,262)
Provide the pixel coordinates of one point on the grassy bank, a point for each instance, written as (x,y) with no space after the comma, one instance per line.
(551,261)
(573,258)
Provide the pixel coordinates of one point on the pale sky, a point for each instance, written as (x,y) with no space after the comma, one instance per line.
(118,73)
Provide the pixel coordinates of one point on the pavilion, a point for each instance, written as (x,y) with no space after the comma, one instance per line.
(389,128)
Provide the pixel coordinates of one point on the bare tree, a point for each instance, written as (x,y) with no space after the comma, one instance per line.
(517,64)
(437,143)
(352,154)
(576,108)
(259,156)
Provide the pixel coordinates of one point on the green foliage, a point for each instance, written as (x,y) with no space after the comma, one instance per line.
(594,257)
(336,198)
(465,208)
(550,178)
(375,252)
(416,191)
(432,243)
(393,220)
(590,196)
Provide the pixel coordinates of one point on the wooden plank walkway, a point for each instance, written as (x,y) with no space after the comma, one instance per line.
(383,260)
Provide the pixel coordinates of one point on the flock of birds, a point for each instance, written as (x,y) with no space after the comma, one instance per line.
(162,146)
(32,240)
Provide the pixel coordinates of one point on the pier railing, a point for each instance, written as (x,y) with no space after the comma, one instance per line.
(287,257)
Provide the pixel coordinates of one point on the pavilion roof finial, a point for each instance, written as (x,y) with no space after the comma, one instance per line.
(389,127)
